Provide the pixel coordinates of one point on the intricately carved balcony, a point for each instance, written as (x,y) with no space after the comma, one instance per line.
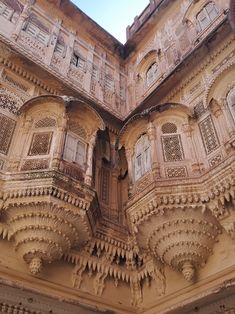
(45,216)
(182,237)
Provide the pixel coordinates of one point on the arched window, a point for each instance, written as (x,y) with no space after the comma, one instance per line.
(208,13)
(231,102)
(171,143)
(142,160)
(151,74)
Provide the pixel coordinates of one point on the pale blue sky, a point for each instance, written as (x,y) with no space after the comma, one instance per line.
(113,15)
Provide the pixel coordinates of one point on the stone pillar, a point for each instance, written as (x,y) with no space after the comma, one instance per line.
(22,18)
(113,192)
(88,175)
(53,40)
(129,158)
(20,145)
(217,112)
(59,145)
(102,78)
(151,131)
(87,82)
(187,129)
(69,52)
(117,102)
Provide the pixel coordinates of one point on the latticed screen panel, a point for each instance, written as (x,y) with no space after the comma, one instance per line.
(199,110)
(176,172)
(215,160)
(7,127)
(35,164)
(209,136)
(172,148)
(45,123)
(105,185)
(41,143)
(76,128)
(169,128)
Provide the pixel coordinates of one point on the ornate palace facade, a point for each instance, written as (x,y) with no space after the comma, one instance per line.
(117,184)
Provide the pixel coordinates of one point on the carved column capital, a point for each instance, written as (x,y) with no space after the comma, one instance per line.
(151,131)
(187,129)
(216,107)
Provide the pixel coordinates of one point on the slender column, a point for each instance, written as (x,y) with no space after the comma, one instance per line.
(69,52)
(216,110)
(20,144)
(151,131)
(117,87)
(129,157)
(59,145)
(88,175)
(53,40)
(188,130)
(90,55)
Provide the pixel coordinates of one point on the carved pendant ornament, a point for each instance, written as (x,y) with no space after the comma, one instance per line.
(180,237)
(43,232)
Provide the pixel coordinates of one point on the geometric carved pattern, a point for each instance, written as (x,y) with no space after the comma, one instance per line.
(7,127)
(105,185)
(16,309)
(176,172)
(172,148)
(199,109)
(215,160)
(45,123)
(40,144)
(209,136)
(169,128)
(35,164)
(76,128)
(6,102)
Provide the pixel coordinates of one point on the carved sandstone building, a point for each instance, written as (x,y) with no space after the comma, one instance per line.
(117,161)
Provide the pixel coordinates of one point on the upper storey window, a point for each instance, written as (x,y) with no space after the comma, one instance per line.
(207,15)
(6,11)
(78,62)
(142,162)
(75,150)
(231,102)
(151,74)
(36,32)
(59,49)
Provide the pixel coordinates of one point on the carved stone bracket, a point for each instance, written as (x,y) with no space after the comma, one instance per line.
(44,231)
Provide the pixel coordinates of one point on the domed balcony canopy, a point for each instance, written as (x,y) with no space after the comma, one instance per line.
(146,115)
(67,101)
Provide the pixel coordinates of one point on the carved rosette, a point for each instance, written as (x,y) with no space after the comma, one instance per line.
(43,232)
(181,238)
